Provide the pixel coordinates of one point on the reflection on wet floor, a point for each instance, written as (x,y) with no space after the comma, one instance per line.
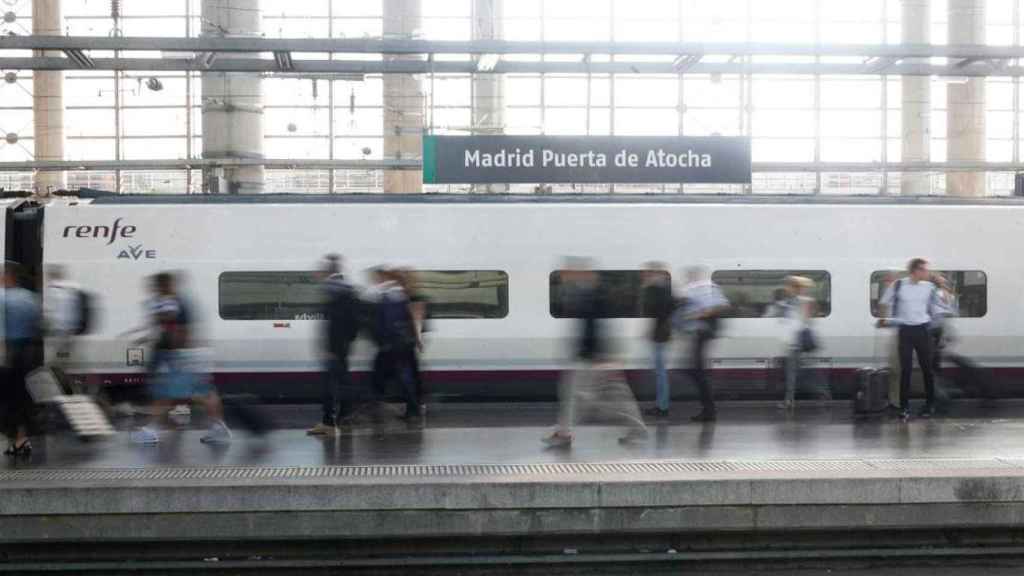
(510,433)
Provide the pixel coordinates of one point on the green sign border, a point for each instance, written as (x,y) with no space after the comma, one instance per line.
(429,159)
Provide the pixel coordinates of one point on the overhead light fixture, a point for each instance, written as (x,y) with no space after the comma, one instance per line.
(284,60)
(487,62)
(80,58)
(154,84)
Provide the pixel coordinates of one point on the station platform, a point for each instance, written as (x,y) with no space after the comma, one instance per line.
(478,476)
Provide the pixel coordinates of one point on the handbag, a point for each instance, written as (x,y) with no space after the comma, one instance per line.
(807,341)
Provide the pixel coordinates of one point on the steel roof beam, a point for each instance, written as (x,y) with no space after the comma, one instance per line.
(414,164)
(398,46)
(691,66)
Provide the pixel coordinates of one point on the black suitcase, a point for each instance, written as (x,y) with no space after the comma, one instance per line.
(871,392)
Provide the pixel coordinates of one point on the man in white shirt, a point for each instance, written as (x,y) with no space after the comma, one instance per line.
(911,303)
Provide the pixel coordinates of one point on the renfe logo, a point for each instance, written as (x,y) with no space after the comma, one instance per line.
(110,233)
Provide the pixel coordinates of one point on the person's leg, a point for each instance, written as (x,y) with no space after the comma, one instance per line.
(923,348)
(329,396)
(407,381)
(906,349)
(568,390)
(663,394)
(701,374)
(893,344)
(792,372)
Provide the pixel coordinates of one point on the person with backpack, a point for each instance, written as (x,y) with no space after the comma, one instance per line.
(699,317)
(65,314)
(910,304)
(178,374)
(394,334)
(341,326)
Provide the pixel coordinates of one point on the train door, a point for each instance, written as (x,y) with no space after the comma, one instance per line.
(23,240)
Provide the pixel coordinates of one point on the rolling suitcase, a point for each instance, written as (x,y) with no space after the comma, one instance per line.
(871,395)
(86,418)
(871,390)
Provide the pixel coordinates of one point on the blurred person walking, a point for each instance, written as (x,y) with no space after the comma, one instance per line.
(594,381)
(796,312)
(179,372)
(21,322)
(340,328)
(418,310)
(64,314)
(658,304)
(699,316)
(394,332)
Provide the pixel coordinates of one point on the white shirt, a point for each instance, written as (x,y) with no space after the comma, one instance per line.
(794,319)
(60,307)
(917,301)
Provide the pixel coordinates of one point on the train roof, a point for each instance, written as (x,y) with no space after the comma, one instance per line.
(570,199)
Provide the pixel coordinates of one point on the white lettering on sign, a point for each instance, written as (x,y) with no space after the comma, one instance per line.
(588,159)
(501,159)
(689,159)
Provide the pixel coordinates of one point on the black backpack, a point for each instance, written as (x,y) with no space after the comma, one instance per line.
(86,311)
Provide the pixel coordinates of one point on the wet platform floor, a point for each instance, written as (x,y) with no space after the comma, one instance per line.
(510,434)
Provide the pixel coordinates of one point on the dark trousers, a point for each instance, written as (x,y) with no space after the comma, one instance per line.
(699,371)
(394,364)
(336,383)
(18,408)
(916,339)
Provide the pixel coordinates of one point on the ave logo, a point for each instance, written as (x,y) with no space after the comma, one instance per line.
(136,253)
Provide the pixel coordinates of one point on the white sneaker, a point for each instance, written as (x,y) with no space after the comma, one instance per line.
(218,434)
(145,435)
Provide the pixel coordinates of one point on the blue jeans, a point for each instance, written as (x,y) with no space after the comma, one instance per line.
(662,395)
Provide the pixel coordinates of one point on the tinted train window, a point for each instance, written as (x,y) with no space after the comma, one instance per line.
(624,287)
(969,287)
(463,294)
(270,295)
(752,293)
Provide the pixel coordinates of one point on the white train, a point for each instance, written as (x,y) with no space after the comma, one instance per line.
(489,264)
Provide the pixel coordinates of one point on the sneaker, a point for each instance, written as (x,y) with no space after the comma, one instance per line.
(634,435)
(218,434)
(558,440)
(927,412)
(321,430)
(905,415)
(656,412)
(704,417)
(145,435)
(786,405)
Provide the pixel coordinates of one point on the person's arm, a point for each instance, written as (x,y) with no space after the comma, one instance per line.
(885,305)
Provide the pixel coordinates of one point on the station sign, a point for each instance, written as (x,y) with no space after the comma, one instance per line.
(586,159)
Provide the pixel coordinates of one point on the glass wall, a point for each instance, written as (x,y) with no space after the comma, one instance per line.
(799,119)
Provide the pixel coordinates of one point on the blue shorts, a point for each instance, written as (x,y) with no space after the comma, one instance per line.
(180,381)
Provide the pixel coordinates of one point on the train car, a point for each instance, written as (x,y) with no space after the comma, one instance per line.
(490,267)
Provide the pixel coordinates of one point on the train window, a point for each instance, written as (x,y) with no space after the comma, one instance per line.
(752,293)
(624,287)
(270,295)
(970,288)
(463,294)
